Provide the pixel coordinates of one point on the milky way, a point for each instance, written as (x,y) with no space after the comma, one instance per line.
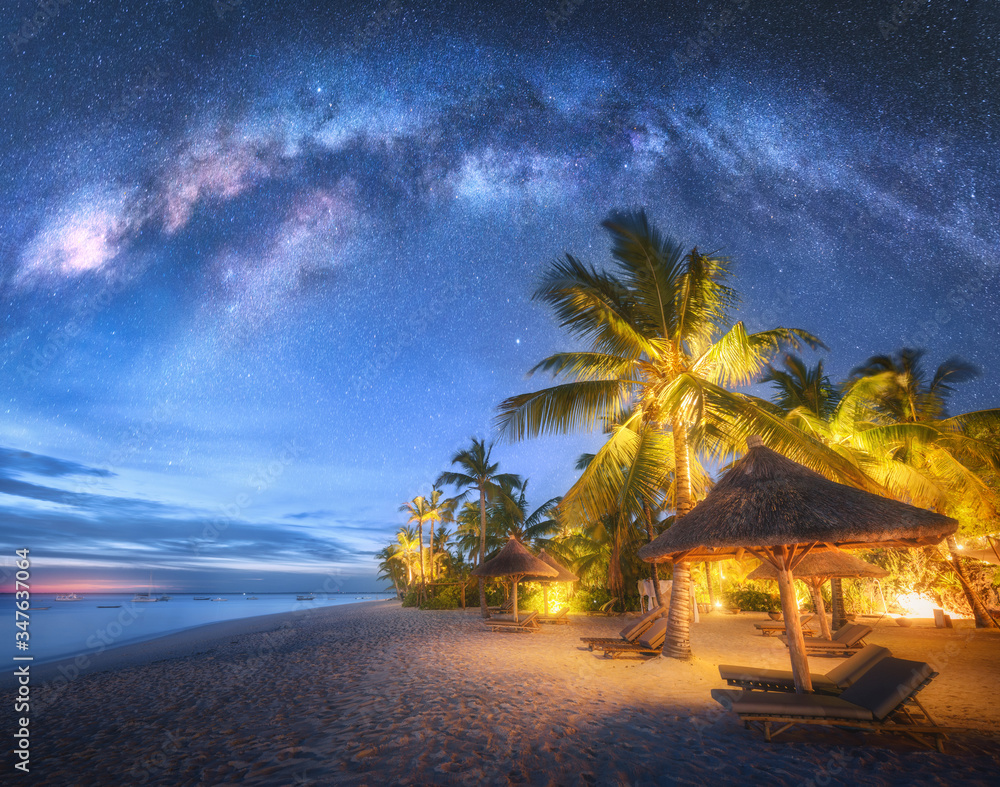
(265,269)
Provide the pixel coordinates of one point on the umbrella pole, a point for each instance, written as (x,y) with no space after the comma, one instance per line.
(514,580)
(793,629)
(816,585)
(545,598)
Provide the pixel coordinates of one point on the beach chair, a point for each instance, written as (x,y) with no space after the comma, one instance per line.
(558,617)
(848,640)
(883,700)
(505,608)
(841,677)
(649,644)
(630,633)
(778,626)
(529,622)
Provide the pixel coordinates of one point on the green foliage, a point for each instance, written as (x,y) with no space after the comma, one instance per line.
(411,598)
(590,600)
(446,598)
(750,598)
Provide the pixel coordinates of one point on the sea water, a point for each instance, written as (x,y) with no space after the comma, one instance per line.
(70,628)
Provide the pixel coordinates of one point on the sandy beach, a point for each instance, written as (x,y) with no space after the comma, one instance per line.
(376,694)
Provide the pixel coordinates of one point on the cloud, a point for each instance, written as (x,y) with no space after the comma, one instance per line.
(14,463)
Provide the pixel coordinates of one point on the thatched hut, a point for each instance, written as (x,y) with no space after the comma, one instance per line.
(779,511)
(514,561)
(815,569)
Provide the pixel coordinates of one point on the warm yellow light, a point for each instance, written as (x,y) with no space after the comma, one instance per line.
(718,603)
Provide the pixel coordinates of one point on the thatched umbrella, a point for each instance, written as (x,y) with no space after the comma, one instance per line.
(564,575)
(780,511)
(514,561)
(815,569)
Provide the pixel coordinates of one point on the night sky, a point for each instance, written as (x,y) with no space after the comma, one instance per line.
(265,268)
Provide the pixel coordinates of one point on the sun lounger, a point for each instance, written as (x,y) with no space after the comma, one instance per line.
(507,606)
(849,639)
(630,633)
(841,677)
(526,622)
(882,700)
(558,617)
(778,626)
(649,644)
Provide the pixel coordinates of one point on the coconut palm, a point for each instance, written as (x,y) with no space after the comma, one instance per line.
(478,472)
(417,509)
(663,355)
(438,510)
(924,455)
(406,544)
(391,566)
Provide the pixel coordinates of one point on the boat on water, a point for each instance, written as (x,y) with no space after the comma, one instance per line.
(220,599)
(202,598)
(305,598)
(165,598)
(68,597)
(148,595)
(252,598)
(109,606)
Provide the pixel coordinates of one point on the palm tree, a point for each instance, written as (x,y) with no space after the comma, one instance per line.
(437,510)
(406,539)
(660,358)
(417,509)
(478,472)
(390,566)
(924,455)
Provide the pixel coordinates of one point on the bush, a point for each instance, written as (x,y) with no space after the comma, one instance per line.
(411,598)
(590,600)
(445,598)
(750,599)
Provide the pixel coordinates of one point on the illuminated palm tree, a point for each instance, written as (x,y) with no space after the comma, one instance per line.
(900,417)
(477,472)
(437,510)
(662,356)
(406,541)
(417,509)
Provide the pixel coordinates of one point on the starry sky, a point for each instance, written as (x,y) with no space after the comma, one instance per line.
(265,267)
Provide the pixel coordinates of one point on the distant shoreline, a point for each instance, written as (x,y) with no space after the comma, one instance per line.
(177,644)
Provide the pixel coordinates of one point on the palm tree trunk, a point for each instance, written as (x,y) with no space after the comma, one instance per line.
(816,588)
(983,618)
(678,642)
(837,602)
(482,550)
(711,590)
(430,553)
(654,569)
(420,535)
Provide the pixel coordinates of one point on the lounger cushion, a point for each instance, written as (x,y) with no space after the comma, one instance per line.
(771,676)
(886,684)
(655,634)
(847,672)
(637,627)
(770,703)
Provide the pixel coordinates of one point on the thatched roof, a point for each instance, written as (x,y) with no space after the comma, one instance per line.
(514,560)
(768,500)
(823,565)
(564,575)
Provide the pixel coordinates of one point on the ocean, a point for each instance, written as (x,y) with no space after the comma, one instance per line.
(70,628)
